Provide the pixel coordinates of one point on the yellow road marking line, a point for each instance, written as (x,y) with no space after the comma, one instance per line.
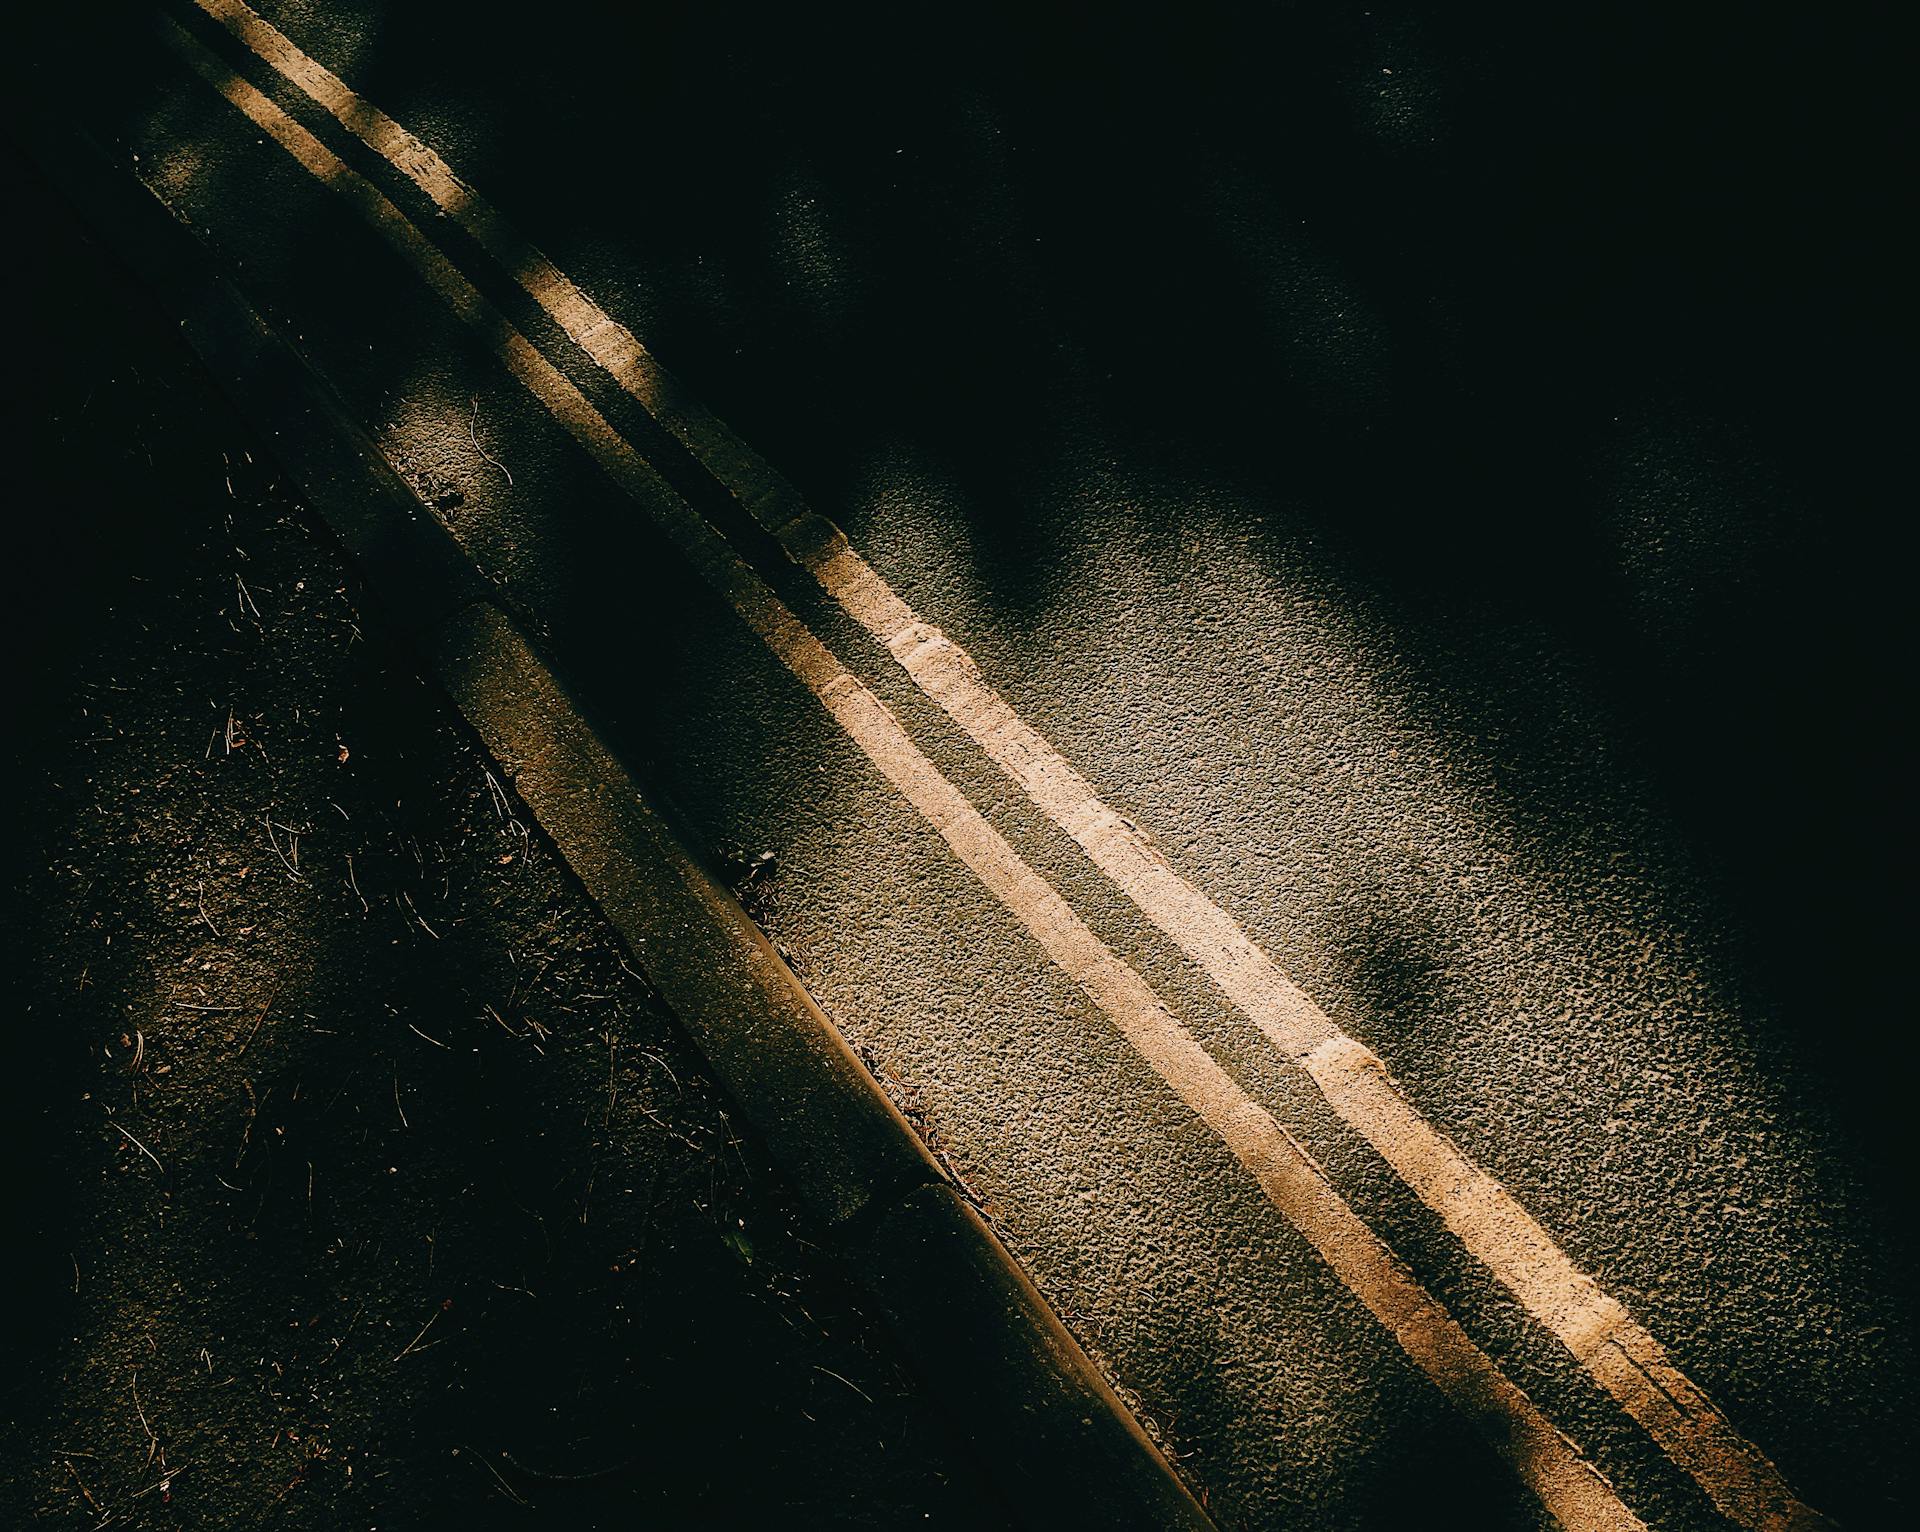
(1570,1487)
(1615,1349)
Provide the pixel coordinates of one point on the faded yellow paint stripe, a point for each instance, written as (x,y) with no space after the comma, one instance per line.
(1570,1487)
(1689,1428)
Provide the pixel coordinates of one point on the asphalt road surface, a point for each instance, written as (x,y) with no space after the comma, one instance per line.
(1339,766)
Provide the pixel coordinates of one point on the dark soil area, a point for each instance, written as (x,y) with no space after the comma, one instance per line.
(360,1182)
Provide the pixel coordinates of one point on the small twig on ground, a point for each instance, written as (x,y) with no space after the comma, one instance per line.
(552,958)
(253,1116)
(480,449)
(664,1065)
(431,1322)
(418,916)
(161,1484)
(340,1339)
(293,840)
(613,1046)
(396,1101)
(734,1140)
(503,808)
(565,1478)
(95,1504)
(203,910)
(365,908)
(292,871)
(256,1022)
(848,1381)
(153,1441)
(511,1494)
(141,1147)
(501,1021)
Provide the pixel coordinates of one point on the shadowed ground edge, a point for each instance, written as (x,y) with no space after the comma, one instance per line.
(1052,1434)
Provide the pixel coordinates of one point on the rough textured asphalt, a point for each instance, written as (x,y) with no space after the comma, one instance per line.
(1421,475)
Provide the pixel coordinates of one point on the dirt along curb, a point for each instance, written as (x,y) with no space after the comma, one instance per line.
(1048,1428)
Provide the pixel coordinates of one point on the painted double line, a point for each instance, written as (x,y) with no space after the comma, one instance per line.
(1614,1349)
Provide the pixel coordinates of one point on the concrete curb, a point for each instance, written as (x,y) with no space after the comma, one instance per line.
(832,1131)
(1050,1433)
